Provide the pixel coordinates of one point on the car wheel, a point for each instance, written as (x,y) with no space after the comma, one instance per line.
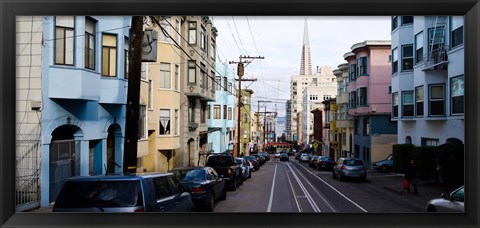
(431,208)
(211,203)
(224,195)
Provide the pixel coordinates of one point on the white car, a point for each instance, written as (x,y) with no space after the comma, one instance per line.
(453,202)
(277,155)
(304,158)
(245,165)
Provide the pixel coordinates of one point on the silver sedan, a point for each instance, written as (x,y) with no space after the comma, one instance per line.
(453,202)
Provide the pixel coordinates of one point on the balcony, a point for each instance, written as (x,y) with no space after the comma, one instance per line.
(199,91)
(436,60)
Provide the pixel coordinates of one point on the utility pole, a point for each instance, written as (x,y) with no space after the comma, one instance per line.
(133,96)
(258,121)
(240,73)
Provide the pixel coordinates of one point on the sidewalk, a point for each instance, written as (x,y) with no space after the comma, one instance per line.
(427,189)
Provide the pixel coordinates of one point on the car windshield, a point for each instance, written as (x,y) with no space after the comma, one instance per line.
(195,175)
(284,155)
(250,158)
(101,194)
(353,162)
(324,158)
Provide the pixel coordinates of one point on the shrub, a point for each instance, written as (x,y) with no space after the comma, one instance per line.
(424,158)
(402,154)
(450,163)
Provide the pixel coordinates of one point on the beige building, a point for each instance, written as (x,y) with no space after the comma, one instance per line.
(344,122)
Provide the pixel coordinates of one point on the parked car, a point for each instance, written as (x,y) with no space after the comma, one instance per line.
(254,162)
(384,165)
(284,157)
(265,154)
(304,157)
(450,202)
(297,155)
(224,164)
(312,160)
(350,167)
(205,185)
(245,165)
(324,163)
(143,192)
(277,155)
(260,159)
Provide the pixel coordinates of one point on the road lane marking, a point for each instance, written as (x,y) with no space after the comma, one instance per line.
(293,191)
(271,191)
(316,191)
(309,198)
(351,201)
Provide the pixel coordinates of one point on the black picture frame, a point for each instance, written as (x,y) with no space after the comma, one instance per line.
(10,8)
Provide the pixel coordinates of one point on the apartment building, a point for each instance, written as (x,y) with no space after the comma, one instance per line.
(246,137)
(221,112)
(427,69)
(344,122)
(197,87)
(72,90)
(370,100)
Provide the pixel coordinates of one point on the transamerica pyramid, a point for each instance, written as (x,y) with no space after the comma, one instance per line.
(306,63)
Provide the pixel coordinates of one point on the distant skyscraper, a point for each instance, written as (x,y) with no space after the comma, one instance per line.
(306,63)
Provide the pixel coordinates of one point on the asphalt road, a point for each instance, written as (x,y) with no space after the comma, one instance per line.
(294,187)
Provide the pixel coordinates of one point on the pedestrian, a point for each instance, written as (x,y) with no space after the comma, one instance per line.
(410,176)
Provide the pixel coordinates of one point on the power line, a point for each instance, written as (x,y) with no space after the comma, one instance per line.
(239,38)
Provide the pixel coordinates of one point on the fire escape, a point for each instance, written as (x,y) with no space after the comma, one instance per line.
(436,57)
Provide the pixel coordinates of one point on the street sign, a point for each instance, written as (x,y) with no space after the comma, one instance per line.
(315,145)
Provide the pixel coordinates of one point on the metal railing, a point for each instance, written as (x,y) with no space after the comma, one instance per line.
(27,185)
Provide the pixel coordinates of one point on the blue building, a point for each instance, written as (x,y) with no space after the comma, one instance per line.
(221,120)
(84,94)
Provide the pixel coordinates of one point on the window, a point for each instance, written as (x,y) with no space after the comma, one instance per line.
(225,82)
(394,22)
(191,110)
(406,20)
(230,113)
(212,50)
(436,37)
(192,70)
(164,120)
(177,32)
(208,112)
(192,32)
(457,30)
(203,39)
(90,43)
(230,87)
(165,23)
(429,142)
(204,79)
(176,81)
(407,103)
(408,140)
(109,55)
(126,61)
(353,99)
(395,104)
(419,47)
(352,74)
(64,39)
(216,112)
(395,60)
(218,82)
(143,71)
(366,126)
(407,57)
(419,99)
(224,112)
(142,122)
(457,92)
(203,114)
(362,66)
(176,123)
(437,100)
(362,96)
(150,94)
(165,76)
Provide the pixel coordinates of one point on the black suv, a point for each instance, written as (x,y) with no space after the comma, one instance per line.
(143,192)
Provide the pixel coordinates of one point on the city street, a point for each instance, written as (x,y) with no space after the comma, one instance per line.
(294,187)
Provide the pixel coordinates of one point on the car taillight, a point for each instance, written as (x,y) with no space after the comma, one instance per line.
(343,168)
(198,190)
(140,210)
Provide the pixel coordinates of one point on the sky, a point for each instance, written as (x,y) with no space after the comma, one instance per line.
(279,40)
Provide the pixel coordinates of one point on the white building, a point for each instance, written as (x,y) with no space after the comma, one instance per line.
(428,78)
(322,86)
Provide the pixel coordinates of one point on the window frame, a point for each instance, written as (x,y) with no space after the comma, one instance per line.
(452,96)
(352,71)
(142,122)
(225,112)
(168,128)
(419,103)
(192,28)
(126,56)
(418,57)
(404,104)
(395,105)
(455,30)
(88,50)
(362,65)
(192,66)
(409,58)
(394,24)
(403,23)
(164,75)
(360,95)
(109,48)
(57,40)
(395,60)
(216,111)
(436,100)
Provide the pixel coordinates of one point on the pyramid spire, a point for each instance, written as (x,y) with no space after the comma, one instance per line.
(306,63)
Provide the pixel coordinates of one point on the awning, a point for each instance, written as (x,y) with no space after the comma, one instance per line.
(210,130)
